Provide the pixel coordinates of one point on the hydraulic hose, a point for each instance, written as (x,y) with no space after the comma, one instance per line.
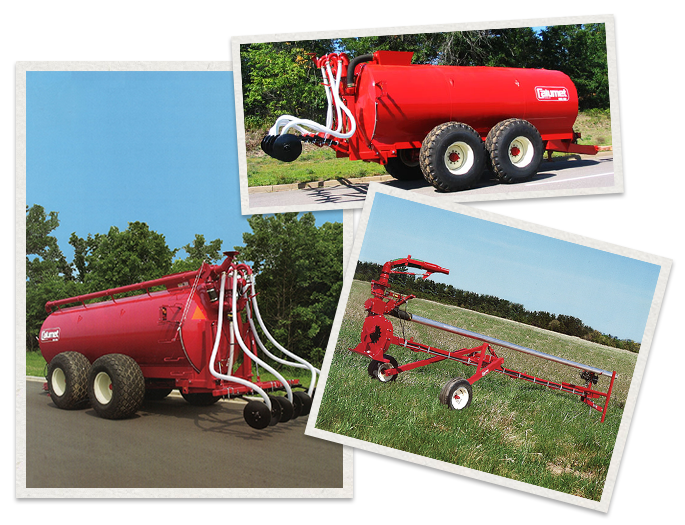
(246,350)
(215,349)
(303,362)
(353,64)
(286,122)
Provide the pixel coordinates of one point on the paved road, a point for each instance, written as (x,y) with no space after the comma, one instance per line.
(171,444)
(588,172)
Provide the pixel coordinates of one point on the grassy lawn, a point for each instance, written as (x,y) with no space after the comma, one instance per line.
(319,164)
(513,429)
(35,364)
(313,165)
(594,126)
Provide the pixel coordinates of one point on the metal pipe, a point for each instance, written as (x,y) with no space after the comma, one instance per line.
(498,342)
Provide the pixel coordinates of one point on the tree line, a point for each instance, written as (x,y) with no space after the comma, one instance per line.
(281,78)
(489,304)
(298,270)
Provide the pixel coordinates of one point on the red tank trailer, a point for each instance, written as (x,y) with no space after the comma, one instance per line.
(192,331)
(378,336)
(444,123)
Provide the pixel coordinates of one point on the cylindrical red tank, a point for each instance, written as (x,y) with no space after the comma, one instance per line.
(396,102)
(145,327)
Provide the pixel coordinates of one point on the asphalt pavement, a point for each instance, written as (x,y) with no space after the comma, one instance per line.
(579,173)
(171,444)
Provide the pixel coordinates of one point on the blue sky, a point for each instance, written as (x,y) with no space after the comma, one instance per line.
(608,292)
(108,148)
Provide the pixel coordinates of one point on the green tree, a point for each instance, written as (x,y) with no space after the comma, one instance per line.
(119,258)
(299,278)
(49,260)
(198,251)
(48,275)
(515,47)
(281,78)
(580,52)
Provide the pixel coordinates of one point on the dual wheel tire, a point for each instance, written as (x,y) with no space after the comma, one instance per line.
(113,385)
(453,156)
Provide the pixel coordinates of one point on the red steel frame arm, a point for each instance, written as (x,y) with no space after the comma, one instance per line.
(485,360)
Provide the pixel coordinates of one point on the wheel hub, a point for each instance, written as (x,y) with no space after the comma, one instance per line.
(382,377)
(102,387)
(459,158)
(59,381)
(460,398)
(521,152)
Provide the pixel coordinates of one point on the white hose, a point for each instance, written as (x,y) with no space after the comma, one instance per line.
(239,338)
(287,122)
(215,349)
(329,111)
(303,363)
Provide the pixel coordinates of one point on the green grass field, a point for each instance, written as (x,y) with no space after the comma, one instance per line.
(313,165)
(319,164)
(512,428)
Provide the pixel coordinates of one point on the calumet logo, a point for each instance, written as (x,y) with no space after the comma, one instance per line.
(50,334)
(551,93)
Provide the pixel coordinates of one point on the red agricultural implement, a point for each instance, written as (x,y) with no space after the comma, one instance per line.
(378,335)
(193,331)
(447,124)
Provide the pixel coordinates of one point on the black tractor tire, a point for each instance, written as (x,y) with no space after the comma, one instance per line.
(373,369)
(68,380)
(515,150)
(200,399)
(444,393)
(452,157)
(403,167)
(459,395)
(157,394)
(116,386)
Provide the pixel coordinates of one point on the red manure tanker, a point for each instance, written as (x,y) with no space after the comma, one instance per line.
(446,124)
(193,331)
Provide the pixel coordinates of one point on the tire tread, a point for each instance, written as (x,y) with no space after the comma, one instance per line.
(430,164)
(498,156)
(75,367)
(129,393)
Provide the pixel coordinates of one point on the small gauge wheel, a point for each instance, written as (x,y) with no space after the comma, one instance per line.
(459,395)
